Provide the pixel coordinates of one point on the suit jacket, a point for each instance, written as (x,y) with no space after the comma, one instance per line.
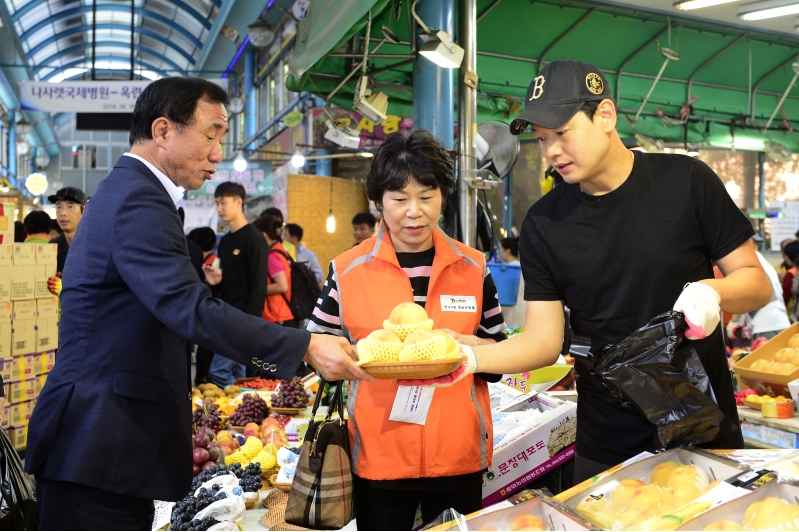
(116,412)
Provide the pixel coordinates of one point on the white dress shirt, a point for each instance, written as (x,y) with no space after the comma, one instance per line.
(175,192)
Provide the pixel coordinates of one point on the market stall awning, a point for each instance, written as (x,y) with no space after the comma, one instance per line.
(735,75)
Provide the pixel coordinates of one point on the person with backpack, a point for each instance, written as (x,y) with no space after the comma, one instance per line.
(278,287)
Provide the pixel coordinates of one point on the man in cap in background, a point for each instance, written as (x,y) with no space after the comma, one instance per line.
(69,205)
(580,246)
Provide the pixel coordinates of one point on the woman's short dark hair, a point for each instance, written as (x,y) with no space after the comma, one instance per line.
(512,245)
(203,237)
(417,155)
(791,251)
(37,222)
(174,98)
(270,225)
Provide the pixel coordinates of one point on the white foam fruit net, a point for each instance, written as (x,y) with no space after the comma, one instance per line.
(404,330)
(430,349)
(377,351)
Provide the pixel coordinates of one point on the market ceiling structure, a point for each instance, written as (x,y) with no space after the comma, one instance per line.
(721,92)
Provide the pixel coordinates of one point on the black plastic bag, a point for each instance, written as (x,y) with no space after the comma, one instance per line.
(658,371)
(18,503)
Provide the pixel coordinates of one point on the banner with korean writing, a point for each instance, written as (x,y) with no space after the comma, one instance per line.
(371,135)
(85,96)
(256,179)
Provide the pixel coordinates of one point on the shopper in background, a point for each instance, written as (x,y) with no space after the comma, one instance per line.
(783,268)
(69,203)
(580,246)
(398,465)
(363,226)
(37,226)
(206,239)
(19,232)
(278,290)
(278,214)
(111,431)
(242,280)
(55,230)
(791,254)
(514,315)
(292,233)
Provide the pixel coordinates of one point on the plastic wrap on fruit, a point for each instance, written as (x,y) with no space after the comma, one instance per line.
(221,481)
(229,509)
(659,372)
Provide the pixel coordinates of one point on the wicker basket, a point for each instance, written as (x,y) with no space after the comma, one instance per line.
(418,369)
(275,519)
(275,498)
(249,503)
(282,486)
(267,473)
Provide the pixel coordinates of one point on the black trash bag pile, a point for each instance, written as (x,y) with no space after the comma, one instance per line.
(658,371)
(18,503)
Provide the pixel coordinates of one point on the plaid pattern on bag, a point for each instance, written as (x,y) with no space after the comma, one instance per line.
(321,494)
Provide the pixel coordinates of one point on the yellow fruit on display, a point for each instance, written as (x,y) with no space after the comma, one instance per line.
(784,354)
(452,345)
(772,367)
(379,346)
(423,345)
(645,498)
(794,358)
(759,515)
(622,492)
(407,318)
(724,524)
(636,515)
(759,365)
(251,447)
(679,496)
(753,397)
(793,343)
(223,435)
(528,522)
(786,518)
(267,460)
(384,335)
(660,474)
(688,475)
(236,458)
(788,368)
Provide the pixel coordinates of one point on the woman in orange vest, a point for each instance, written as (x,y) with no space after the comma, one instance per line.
(278,287)
(435,460)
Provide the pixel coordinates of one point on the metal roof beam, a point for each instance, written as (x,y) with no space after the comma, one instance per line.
(761,80)
(79,62)
(632,56)
(106,44)
(67,12)
(565,34)
(487,10)
(709,61)
(123,27)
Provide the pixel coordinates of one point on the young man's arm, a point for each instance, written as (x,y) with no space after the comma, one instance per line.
(745,285)
(256,275)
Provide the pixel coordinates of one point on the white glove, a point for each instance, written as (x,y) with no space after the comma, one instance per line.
(468,367)
(699,303)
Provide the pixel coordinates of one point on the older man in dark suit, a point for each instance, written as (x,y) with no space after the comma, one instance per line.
(112,428)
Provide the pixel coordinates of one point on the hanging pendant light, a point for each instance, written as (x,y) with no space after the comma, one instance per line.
(331,220)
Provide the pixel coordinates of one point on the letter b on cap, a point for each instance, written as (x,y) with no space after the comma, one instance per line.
(538,87)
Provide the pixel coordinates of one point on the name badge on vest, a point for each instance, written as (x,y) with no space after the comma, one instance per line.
(458,303)
(411,404)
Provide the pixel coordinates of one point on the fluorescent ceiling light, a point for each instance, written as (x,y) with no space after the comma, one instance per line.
(699,4)
(768,9)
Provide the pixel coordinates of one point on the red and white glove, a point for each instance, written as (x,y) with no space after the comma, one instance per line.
(699,303)
(54,284)
(468,367)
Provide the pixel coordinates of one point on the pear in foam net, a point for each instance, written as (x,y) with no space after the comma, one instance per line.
(407,318)
(423,345)
(452,345)
(379,346)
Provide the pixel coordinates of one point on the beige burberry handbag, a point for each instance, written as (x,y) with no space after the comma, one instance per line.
(321,495)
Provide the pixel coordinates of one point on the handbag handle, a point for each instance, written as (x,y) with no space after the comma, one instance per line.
(336,402)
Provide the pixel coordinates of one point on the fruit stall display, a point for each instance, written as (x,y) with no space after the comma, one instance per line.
(290,395)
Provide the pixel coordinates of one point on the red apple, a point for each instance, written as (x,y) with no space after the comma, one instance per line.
(195,470)
(201,440)
(213,454)
(207,465)
(200,455)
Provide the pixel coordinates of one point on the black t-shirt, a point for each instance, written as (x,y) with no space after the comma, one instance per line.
(62,251)
(243,261)
(620,259)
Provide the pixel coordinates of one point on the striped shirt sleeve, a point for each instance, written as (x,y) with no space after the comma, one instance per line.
(326,318)
(492,322)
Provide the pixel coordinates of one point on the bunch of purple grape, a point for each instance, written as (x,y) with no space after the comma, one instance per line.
(252,410)
(207,415)
(290,395)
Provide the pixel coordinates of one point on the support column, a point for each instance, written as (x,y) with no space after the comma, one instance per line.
(12,144)
(323,166)
(433,99)
(750,171)
(762,180)
(467,120)
(250,104)
(507,204)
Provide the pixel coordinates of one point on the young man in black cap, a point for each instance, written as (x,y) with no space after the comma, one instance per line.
(580,246)
(70,203)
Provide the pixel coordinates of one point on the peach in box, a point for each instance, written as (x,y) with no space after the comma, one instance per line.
(767,383)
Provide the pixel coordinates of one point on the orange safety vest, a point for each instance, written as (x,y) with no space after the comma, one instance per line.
(458,436)
(276,309)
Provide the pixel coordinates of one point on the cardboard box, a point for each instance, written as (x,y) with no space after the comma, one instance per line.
(531,453)
(594,493)
(6,312)
(23,283)
(5,283)
(47,361)
(20,413)
(24,255)
(6,417)
(46,254)
(18,436)
(735,510)
(17,368)
(39,385)
(25,310)
(21,391)
(23,337)
(5,370)
(47,307)
(6,253)
(46,334)
(42,274)
(772,384)
(5,341)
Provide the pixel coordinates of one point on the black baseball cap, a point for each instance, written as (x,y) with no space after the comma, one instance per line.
(558,92)
(69,194)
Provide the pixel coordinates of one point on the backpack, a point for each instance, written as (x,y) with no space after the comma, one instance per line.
(304,288)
